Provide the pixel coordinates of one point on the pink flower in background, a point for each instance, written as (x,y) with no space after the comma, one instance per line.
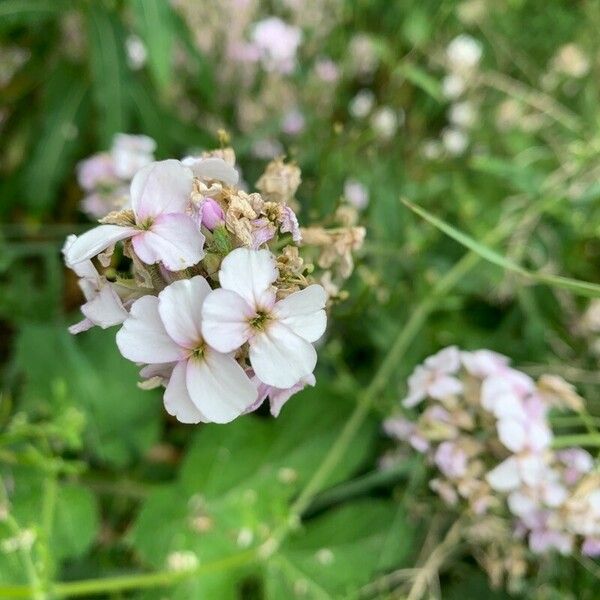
(103,306)
(130,153)
(279,333)
(277,43)
(327,71)
(356,194)
(97,171)
(205,385)
(451,459)
(161,231)
(293,122)
(483,363)
(435,377)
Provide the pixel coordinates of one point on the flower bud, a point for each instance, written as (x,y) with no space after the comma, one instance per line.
(212,214)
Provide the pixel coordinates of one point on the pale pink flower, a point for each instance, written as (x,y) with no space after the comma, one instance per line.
(212,167)
(289,224)
(435,378)
(130,153)
(543,540)
(277,396)
(279,333)
(96,171)
(451,459)
(528,469)
(277,43)
(211,214)
(205,385)
(484,363)
(591,547)
(356,194)
(160,195)
(577,461)
(406,431)
(293,122)
(103,306)
(327,71)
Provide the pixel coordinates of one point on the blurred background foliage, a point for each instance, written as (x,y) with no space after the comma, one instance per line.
(96,481)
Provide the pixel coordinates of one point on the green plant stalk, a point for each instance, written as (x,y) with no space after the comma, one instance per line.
(577,439)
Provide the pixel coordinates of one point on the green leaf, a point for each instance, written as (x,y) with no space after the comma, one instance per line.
(59,138)
(582,288)
(155,25)
(522,178)
(109,70)
(237,482)
(421,79)
(337,553)
(23,12)
(122,421)
(74,523)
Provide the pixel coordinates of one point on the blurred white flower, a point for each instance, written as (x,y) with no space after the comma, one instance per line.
(267,148)
(462,114)
(453,86)
(131,153)
(136,52)
(463,53)
(327,71)
(385,122)
(455,141)
(362,104)
(356,194)
(277,43)
(432,149)
(570,60)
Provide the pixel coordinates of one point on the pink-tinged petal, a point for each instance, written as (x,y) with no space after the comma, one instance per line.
(106,308)
(219,387)
(446,360)
(281,358)
(180,308)
(505,477)
(214,168)
(160,188)
(94,241)
(173,239)
(249,273)
(80,327)
(289,223)
(278,397)
(143,337)
(303,312)
(177,400)
(225,320)
(84,269)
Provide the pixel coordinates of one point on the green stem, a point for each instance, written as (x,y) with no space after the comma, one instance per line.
(578,439)
(121,583)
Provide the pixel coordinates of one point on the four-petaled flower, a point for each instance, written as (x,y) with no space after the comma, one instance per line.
(279,333)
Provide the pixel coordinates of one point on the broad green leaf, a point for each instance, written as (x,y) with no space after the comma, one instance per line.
(155,25)
(336,554)
(74,523)
(122,421)
(65,109)
(582,288)
(237,482)
(109,70)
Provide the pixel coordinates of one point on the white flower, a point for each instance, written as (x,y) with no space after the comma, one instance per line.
(435,378)
(103,306)
(362,104)
(277,43)
(455,141)
(463,53)
(385,122)
(279,333)
(205,385)
(161,231)
(462,114)
(131,153)
(453,86)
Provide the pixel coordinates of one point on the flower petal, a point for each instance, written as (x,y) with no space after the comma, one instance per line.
(159,188)
(213,167)
(180,308)
(173,239)
(219,387)
(143,337)
(505,477)
(278,398)
(225,318)
(106,308)
(177,400)
(303,312)
(250,273)
(281,358)
(92,242)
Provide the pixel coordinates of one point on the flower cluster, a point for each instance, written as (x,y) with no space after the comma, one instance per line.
(485,428)
(106,176)
(216,302)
